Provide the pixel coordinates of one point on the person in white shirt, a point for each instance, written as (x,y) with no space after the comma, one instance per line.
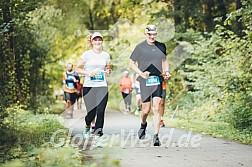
(94,65)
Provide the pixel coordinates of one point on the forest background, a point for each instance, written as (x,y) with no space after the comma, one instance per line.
(210,90)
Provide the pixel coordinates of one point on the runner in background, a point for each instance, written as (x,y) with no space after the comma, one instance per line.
(80,93)
(162,104)
(126,90)
(70,79)
(136,86)
(56,94)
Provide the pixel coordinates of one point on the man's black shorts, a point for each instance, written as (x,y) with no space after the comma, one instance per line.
(148,92)
(70,96)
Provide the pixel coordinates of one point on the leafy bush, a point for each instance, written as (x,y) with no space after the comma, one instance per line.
(55,156)
(217,79)
(240,111)
(24,130)
(49,156)
(25,141)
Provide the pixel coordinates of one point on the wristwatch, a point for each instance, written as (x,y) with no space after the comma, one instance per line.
(167,73)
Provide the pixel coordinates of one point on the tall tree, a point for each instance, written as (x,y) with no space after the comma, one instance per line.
(238,26)
(8,78)
(207,10)
(177,15)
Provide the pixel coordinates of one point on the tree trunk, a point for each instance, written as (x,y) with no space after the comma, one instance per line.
(222,9)
(207,10)
(177,8)
(8,78)
(238,26)
(91,16)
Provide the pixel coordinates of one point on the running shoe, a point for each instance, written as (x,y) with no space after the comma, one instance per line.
(156,140)
(97,142)
(137,112)
(86,132)
(93,129)
(162,123)
(141,132)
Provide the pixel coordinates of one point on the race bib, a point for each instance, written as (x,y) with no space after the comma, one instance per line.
(70,85)
(152,80)
(138,90)
(126,91)
(98,77)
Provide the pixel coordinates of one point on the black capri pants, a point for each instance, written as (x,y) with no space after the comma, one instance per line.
(95,99)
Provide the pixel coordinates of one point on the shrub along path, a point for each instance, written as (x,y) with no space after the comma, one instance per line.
(179,148)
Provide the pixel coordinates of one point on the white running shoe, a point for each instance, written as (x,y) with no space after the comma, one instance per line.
(97,142)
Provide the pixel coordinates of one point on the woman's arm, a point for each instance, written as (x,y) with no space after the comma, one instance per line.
(80,71)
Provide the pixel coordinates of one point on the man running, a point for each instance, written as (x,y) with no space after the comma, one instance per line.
(136,86)
(149,61)
(69,80)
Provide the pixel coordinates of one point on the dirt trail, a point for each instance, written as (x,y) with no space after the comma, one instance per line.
(179,148)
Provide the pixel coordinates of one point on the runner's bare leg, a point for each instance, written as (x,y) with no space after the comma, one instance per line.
(156,114)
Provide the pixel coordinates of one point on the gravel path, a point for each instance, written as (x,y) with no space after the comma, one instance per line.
(179,148)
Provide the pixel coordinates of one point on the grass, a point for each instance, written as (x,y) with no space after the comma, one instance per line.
(57,108)
(215,129)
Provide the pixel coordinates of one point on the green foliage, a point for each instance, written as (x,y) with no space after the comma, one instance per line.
(24,49)
(216,129)
(49,156)
(26,140)
(57,108)
(40,37)
(55,156)
(197,15)
(24,130)
(212,84)
(58,156)
(240,112)
(217,80)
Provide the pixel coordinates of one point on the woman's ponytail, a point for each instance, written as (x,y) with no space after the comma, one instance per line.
(89,42)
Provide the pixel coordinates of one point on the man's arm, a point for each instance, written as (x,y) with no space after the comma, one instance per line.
(134,67)
(165,65)
(77,78)
(63,78)
(166,69)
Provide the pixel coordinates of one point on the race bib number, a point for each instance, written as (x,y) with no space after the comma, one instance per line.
(126,91)
(152,80)
(98,77)
(70,85)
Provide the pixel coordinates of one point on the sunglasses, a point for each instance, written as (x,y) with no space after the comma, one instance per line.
(151,28)
(151,34)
